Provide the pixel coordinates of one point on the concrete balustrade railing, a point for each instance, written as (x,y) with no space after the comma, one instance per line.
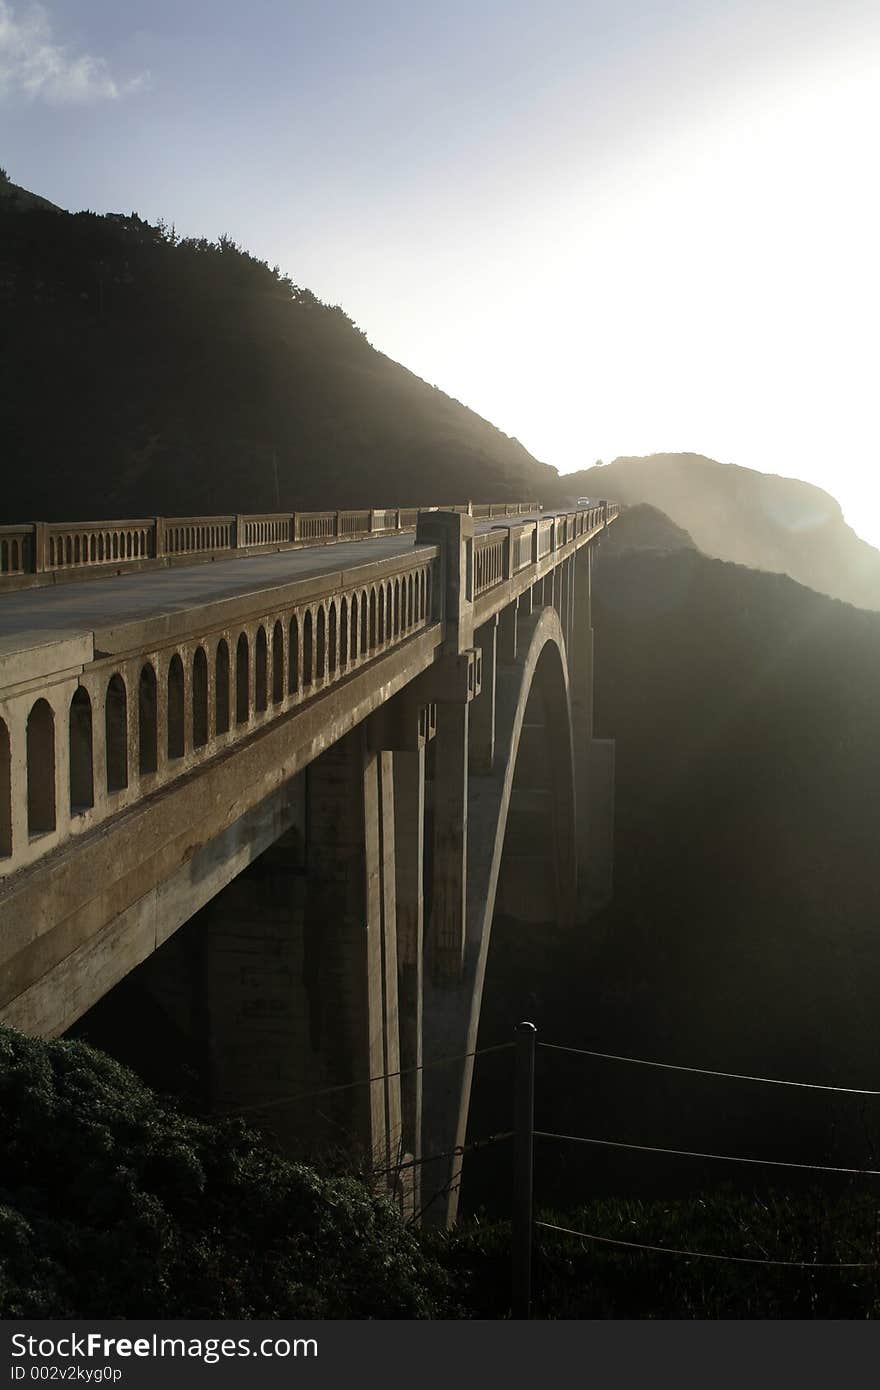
(505,550)
(84,734)
(490,561)
(52,552)
(16,549)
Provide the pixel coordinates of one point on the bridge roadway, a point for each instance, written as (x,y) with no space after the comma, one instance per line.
(154,727)
(109,601)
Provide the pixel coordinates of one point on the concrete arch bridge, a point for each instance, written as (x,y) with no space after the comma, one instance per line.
(236,767)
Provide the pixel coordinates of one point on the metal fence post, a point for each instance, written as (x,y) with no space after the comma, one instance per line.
(524,1132)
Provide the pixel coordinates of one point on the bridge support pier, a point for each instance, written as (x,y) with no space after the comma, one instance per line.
(446,933)
(481,749)
(351,940)
(594,758)
(409,831)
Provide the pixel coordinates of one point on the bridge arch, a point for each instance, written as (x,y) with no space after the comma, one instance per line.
(452,1008)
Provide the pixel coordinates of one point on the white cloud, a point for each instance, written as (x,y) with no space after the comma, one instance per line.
(35,66)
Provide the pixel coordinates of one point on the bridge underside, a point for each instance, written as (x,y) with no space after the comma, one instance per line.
(299,931)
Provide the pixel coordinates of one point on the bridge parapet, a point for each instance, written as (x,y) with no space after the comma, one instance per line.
(93,724)
(36,553)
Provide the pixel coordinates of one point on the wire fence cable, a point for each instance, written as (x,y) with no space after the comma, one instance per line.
(705,1254)
(276,1101)
(707,1071)
(721,1158)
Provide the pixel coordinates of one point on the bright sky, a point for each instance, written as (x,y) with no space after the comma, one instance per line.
(609,226)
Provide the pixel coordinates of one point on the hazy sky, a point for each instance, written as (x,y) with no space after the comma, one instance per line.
(610,228)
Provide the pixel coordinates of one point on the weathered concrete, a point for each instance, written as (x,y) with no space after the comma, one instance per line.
(147,759)
(54,914)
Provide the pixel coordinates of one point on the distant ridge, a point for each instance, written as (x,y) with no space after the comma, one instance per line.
(757,519)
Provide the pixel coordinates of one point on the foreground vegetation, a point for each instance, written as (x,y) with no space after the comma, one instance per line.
(114,1203)
(575,1278)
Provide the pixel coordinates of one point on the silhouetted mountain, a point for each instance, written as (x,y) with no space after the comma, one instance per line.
(756,519)
(15,199)
(147,374)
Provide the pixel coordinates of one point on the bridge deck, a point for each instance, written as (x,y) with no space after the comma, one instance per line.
(72,609)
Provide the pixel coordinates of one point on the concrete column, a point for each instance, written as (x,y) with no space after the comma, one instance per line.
(409,836)
(454,533)
(446,933)
(40,547)
(482,716)
(580,653)
(343,965)
(561,595)
(593,758)
(385,919)
(508,633)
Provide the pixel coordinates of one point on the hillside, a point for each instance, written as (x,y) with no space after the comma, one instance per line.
(147,374)
(642,527)
(765,521)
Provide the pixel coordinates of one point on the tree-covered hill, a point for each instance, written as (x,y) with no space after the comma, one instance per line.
(143,373)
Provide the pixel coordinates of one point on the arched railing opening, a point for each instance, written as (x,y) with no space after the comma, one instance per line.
(176,716)
(343,632)
(364,628)
(41,768)
(320,645)
(221,688)
(5,792)
(277,664)
(82,776)
(242,679)
(200,698)
(148,722)
(307,648)
(332,641)
(293,656)
(354,626)
(261,661)
(116,733)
